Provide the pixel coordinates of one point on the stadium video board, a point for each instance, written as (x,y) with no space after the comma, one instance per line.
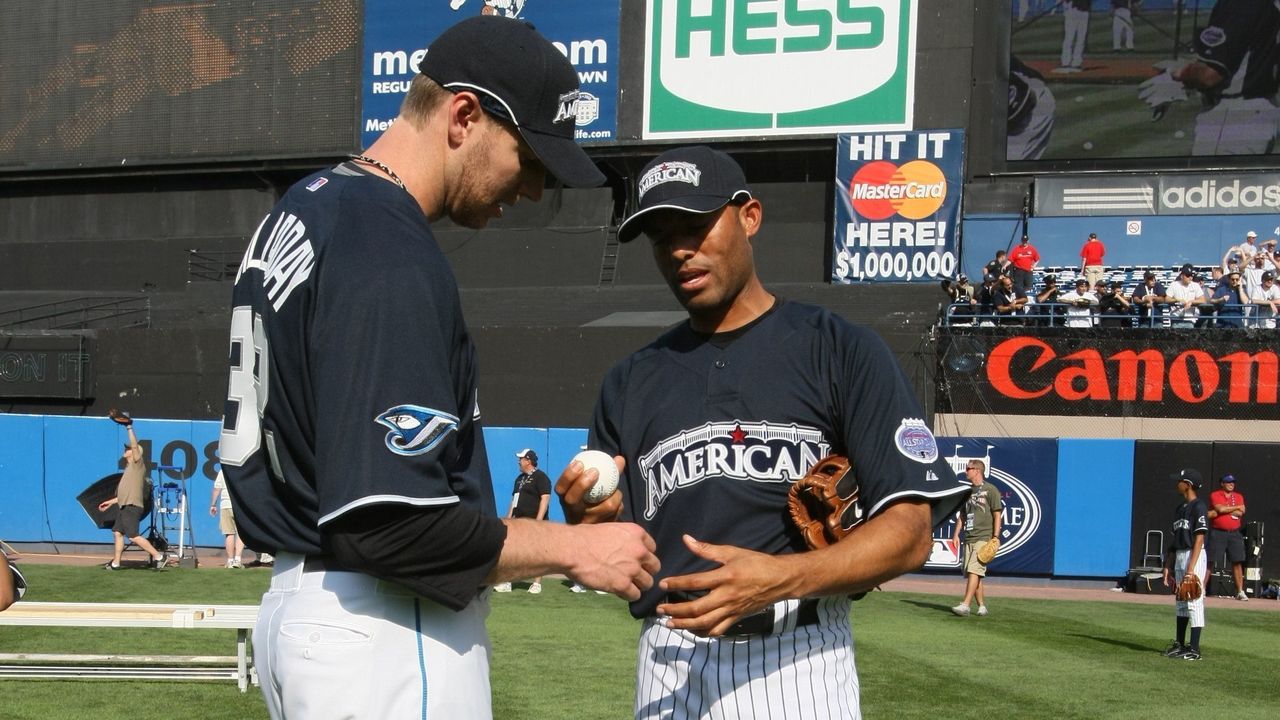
(130,82)
(1115,79)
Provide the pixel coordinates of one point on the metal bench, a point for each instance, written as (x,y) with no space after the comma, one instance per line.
(240,618)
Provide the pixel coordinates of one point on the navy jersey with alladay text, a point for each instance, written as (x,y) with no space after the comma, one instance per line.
(353,376)
(715,429)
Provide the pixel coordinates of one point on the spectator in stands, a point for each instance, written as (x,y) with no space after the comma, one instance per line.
(1183,296)
(1047,304)
(1091,259)
(961,300)
(1247,249)
(986,297)
(997,267)
(1266,301)
(1008,302)
(1114,308)
(1252,273)
(12,585)
(1207,310)
(1023,259)
(1149,299)
(1080,305)
(1229,301)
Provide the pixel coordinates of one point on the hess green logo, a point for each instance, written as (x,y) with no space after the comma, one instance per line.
(777,67)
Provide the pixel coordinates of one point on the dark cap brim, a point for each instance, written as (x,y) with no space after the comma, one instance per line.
(631,228)
(564,159)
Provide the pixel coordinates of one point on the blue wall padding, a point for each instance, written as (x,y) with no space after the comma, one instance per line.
(21,478)
(1095,499)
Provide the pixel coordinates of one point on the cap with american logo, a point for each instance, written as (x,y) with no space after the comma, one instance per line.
(523,79)
(695,179)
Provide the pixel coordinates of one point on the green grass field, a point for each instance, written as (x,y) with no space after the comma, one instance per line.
(560,655)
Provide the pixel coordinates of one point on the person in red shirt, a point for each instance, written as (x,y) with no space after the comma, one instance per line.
(1023,259)
(1226,508)
(1091,259)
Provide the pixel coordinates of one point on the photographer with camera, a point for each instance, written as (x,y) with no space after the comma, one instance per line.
(1113,307)
(961,299)
(1080,304)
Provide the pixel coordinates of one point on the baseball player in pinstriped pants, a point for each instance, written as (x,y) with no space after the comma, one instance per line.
(713,422)
(1187,554)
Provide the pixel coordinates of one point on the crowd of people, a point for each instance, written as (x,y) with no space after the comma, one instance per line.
(1240,291)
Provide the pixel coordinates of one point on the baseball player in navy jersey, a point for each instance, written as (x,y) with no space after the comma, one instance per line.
(711,424)
(1187,554)
(352,444)
(1235,71)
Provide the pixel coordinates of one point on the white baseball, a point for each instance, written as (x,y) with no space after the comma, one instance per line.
(608,470)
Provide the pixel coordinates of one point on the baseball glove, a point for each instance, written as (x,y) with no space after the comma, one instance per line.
(987,552)
(1189,589)
(824,503)
(120,416)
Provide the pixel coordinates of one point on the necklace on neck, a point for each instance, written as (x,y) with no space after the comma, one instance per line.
(381,166)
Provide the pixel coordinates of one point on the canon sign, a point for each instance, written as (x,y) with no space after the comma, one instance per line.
(1210,195)
(1192,376)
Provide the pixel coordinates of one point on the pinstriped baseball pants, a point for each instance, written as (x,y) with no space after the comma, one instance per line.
(807,673)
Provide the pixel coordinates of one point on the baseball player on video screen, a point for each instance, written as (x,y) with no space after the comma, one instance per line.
(715,420)
(352,444)
(1235,71)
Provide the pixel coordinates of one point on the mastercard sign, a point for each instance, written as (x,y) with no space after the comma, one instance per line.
(914,190)
(897,206)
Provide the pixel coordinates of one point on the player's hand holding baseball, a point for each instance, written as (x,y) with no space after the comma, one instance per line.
(1163,89)
(572,488)
(744,583)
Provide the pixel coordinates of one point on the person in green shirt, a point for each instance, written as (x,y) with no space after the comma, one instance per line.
(979,522)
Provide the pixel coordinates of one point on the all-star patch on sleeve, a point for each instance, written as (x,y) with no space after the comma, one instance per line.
(893,451)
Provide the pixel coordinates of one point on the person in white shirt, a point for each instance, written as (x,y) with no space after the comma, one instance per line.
(1247,249)
(1080,303)
(1183,297)
(1266,299)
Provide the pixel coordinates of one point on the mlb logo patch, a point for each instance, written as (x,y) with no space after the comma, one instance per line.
(317,184)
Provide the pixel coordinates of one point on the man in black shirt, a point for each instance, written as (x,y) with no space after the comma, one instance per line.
(1114,309)
(530,497)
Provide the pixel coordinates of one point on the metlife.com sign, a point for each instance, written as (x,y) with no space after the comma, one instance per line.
(744,68)
(397,32)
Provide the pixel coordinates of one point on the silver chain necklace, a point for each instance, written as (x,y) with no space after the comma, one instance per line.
(381,166)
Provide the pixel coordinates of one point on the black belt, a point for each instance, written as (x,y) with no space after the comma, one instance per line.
(763,622)
(318,563)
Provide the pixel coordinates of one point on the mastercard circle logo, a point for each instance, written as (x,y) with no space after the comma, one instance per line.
(881,189)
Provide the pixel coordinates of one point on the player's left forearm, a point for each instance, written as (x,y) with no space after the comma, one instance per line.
(896,541)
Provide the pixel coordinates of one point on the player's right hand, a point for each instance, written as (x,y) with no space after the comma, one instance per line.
(616,557)
(572,489)
(1164,89)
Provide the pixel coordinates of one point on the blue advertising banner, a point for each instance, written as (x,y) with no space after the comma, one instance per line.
(1025,473)
(396,33)
(897,206)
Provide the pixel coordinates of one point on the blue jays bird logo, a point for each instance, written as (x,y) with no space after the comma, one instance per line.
(415,429)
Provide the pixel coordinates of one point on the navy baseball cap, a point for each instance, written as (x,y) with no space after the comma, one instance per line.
(694,179)
(522,78)
(1190,476)
(1228,478)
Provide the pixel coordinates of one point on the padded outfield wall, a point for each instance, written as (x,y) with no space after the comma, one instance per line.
(1073,507)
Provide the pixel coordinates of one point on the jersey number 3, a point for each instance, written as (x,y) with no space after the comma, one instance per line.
(247,387)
